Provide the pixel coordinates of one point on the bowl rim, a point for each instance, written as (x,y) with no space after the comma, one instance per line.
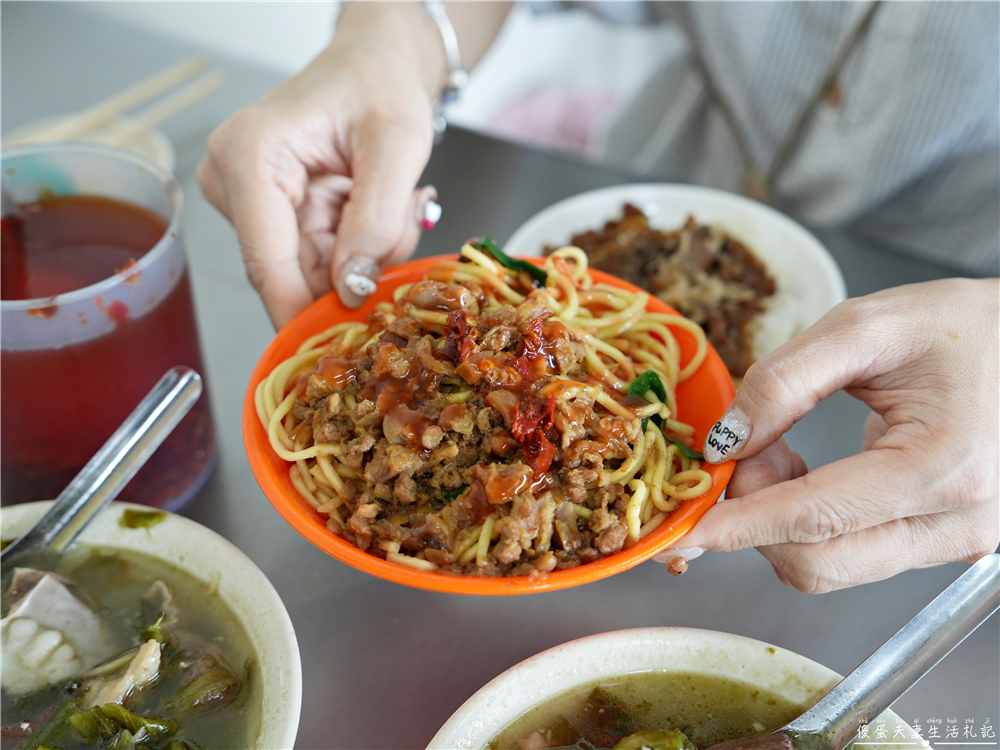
(13,156)
(681,192)
(571,665)
(310,524)
(280,672)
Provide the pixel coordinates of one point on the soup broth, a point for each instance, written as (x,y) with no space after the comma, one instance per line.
(194,624)
(708,709)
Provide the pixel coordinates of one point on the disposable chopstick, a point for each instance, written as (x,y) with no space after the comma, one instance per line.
(171,105)
(76,125)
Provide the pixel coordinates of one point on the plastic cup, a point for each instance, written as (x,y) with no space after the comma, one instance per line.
(74,365)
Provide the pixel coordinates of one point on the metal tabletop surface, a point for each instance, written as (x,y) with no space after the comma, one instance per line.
(383,665)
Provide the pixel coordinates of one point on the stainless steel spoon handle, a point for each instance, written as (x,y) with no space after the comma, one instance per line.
(902,660)
(104,476)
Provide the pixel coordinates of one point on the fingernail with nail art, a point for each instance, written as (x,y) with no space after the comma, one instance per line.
(428,209)
(727,436)
(360,285)
(357,280)
(432,215)
(677,560)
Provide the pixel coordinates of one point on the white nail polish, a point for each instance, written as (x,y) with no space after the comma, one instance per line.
(727,436)
(677,560)
(428,210)
(357,280)
(432,215)
(360,285)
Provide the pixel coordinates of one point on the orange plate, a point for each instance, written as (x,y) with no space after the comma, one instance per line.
(701,400)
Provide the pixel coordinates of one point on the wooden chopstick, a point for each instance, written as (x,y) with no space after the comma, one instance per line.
(171,105)
(76,125)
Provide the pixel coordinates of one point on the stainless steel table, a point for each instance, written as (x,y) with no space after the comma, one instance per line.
(384,666)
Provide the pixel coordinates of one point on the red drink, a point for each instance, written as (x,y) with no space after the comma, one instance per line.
(60,404)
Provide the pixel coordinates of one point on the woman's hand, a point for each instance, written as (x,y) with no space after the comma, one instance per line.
(323,169)
(923,491)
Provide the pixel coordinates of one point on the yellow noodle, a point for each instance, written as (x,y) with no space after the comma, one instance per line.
(300,487)
(568,312)
(465,547)
(483,545)
(679,428)
(628,469)
(652,524)
(482,259)
(703,484)
(427,316)
(632,522)
(330,473)
(330,505)
(418,563)
(579,258)
(613,406)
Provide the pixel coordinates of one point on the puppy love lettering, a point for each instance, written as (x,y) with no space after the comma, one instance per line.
(724,439)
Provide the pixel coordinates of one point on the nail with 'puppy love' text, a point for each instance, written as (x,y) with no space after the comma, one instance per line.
(727,436)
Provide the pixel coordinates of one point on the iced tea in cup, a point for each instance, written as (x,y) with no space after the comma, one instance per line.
(95,306)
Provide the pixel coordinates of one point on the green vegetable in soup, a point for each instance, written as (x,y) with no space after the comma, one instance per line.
(196,700)
(656,739)
(124,740)
(56,726)
(154,728)
(141,519)
(94,725)
(155,632)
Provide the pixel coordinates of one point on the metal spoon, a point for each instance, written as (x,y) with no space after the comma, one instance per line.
(897,665)
(883,677)
(104,476)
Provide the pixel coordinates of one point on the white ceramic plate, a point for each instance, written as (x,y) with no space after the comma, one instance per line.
(610,655)
(205,555)
(808,280)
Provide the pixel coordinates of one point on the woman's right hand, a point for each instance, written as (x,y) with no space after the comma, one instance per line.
(924,490)
(323,169)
